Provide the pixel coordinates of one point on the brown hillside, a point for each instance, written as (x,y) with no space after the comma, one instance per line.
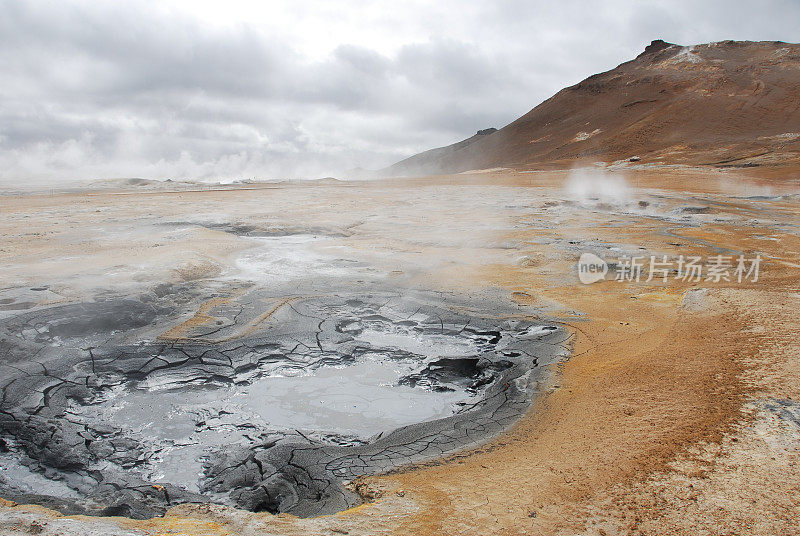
(720,104)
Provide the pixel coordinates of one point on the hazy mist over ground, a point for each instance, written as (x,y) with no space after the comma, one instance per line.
(236,90)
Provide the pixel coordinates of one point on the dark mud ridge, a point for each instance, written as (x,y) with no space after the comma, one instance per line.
(100,415)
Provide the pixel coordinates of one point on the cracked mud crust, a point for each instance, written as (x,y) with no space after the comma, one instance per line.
(65,361)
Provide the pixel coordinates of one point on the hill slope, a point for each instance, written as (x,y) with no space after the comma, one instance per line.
(722,104)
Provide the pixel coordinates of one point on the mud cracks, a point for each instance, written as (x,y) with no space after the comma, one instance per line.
(103,411)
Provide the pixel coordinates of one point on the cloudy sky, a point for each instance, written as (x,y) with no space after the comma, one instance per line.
(232,89)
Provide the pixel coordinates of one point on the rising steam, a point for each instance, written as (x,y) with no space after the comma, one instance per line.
(594,184)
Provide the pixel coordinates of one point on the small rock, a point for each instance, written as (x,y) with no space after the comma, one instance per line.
(530,260)
(36,527)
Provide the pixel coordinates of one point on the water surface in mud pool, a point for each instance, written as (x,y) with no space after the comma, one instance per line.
(347,402)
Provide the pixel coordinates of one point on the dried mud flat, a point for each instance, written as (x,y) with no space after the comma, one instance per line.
(675,413)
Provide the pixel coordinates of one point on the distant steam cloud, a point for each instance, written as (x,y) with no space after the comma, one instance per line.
(595,184)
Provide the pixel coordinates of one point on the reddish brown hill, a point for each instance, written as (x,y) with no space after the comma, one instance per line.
(721,104)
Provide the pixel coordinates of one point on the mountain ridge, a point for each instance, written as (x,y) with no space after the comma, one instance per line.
(729,103)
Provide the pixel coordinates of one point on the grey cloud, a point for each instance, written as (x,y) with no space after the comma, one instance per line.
(122,89)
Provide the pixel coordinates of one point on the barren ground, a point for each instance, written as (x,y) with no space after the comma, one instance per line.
(674,415)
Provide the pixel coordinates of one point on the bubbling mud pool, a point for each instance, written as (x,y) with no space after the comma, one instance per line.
(276,417)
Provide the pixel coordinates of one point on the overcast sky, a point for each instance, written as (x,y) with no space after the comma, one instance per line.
(231,89)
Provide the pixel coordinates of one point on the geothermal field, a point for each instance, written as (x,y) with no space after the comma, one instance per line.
(583,322)
(206,356)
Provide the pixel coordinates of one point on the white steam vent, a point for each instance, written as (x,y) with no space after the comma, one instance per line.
(592,184)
